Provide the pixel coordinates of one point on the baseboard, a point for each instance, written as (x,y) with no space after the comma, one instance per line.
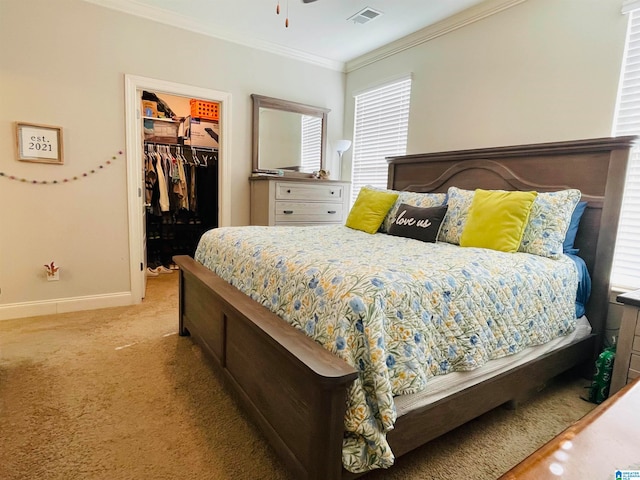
(64,305)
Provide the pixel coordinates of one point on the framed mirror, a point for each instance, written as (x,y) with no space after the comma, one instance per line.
(288,136)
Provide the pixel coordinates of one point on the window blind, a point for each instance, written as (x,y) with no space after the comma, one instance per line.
(311,143)
(626,261)
(380,130)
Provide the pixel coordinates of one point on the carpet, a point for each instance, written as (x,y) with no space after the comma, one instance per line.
(116,394)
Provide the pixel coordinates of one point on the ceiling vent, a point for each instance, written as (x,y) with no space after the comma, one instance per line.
(365,15)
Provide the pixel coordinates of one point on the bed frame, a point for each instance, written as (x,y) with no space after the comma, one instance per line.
(295,390)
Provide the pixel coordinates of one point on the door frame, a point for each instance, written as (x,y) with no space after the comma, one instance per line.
(134,153)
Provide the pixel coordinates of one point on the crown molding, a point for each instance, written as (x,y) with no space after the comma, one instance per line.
(180,21)
(466,17)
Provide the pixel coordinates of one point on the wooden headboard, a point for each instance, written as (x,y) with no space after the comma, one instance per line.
(597,167)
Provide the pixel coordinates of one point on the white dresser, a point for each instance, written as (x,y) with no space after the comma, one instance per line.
(298,201)
(626,366)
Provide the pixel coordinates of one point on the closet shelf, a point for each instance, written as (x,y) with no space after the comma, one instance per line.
(168,120)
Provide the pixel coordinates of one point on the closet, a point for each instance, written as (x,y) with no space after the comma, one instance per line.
(181,176)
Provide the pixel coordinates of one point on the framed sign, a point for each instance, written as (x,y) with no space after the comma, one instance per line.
(39,143)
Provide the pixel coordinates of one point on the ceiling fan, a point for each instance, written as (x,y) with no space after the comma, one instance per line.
(286,20)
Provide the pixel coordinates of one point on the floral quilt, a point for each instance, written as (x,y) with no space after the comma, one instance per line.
(399,310)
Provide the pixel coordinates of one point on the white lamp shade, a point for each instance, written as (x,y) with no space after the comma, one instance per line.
(342,146)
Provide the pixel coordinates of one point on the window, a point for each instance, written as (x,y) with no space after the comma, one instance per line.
(626,261)
(381,125)
(311,143)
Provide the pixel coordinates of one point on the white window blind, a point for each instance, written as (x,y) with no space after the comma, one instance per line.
(311,143)
(380,130)
(626,262)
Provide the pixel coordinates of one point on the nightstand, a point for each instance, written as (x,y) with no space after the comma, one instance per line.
(627,363)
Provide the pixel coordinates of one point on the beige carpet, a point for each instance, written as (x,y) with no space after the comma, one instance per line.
(117,394)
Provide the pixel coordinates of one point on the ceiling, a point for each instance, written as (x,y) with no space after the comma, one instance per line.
(319,31)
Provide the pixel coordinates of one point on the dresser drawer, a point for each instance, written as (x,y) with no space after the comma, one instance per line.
(634,367)
(277,201)
(317,212)
(635,362)
(309,192)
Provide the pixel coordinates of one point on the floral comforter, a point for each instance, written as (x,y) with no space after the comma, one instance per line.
(399,310)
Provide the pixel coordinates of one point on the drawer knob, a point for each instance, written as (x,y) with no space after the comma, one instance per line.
(289,191)
(287,212)
(332,192)
(331,211)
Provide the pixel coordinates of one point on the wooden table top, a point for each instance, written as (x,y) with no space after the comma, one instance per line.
(630,298)
(603,442)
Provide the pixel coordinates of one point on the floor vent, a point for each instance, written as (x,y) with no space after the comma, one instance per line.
(365,15)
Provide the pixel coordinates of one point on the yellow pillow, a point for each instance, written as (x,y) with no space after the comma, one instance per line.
(497,219)
(370,208)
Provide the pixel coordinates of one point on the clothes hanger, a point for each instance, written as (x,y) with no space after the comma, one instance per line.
(194,155)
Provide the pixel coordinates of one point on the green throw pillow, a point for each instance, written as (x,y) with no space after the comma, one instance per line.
(369,209)
(497,219)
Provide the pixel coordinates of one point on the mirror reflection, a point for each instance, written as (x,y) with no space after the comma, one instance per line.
(289,141)
(288,136)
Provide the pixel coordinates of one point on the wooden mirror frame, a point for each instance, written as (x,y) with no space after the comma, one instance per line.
(260,101)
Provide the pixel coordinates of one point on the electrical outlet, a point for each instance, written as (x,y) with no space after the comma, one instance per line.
(53,272)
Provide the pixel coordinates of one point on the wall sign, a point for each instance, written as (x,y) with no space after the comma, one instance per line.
(39,143)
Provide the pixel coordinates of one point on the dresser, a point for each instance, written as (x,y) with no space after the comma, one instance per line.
(298,201)
(626,366)
(601,445)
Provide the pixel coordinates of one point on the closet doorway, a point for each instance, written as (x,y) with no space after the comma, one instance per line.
(134,88)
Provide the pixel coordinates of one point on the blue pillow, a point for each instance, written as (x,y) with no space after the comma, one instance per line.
(584,285)
(572,231)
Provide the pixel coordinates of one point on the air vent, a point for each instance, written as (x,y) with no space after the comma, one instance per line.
(365,15)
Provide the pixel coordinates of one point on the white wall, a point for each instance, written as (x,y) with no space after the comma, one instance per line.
(63,63)
(543,70)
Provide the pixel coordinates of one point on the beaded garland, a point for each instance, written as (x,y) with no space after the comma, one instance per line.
(64,180)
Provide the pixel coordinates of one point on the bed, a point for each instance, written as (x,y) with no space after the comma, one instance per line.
(297,391)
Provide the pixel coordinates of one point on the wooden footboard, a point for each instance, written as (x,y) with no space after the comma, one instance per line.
(293,388)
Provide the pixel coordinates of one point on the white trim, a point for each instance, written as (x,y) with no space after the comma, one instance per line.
(626,266)
(63,305)
(614,291)
(616,111)
(462,19)
(383,83)
(180,21)
(134,144)
(629,6)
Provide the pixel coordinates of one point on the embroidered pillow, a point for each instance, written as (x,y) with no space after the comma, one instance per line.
(497,219)
(458,202)
(415,199)
(417,222)
(548,223)
(369,209)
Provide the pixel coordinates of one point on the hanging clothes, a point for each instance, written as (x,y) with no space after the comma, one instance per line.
(162,183)
(180,187)
(182,182)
